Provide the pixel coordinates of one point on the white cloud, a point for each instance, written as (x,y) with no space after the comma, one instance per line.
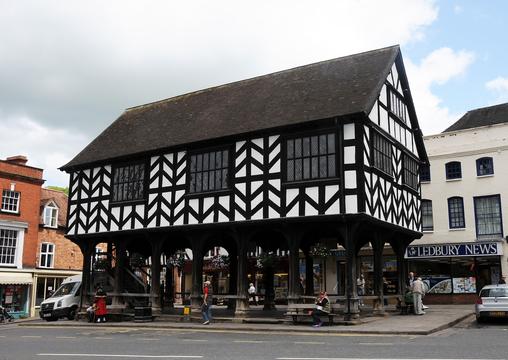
(45,147)
(437,68)
(71,67)
(499,86)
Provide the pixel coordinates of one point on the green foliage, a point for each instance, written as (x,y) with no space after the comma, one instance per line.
(59,188)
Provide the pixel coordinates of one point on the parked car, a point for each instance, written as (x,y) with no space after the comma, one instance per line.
(64,302)
(492,302)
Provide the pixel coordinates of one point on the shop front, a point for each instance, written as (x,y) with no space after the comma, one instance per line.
(454,273)
(15,290)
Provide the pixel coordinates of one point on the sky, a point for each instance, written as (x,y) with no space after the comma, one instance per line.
(68,69)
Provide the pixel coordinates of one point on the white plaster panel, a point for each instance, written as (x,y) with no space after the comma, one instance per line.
(349,131)
(224,202)
(350,179)
(351,204)
(349,155)
(207,203)
(194,204)
(330,190)
(272,139)
(310,210)
(258,142)
(242,172)
(291,194)
(313,193)
(374,116)
(255,185)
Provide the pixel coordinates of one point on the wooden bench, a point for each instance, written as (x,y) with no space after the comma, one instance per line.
(305,311)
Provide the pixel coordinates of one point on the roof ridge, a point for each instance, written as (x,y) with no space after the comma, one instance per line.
(318,63)
(488,107)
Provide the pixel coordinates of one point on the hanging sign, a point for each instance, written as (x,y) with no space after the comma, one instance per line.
(454,250)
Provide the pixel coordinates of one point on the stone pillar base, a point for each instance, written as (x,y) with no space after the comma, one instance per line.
(242,305)
(196,302)
(352,311)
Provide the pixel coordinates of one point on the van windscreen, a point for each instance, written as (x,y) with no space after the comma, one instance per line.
(65,289)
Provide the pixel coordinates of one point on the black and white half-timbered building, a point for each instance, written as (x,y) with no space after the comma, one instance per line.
(283,161)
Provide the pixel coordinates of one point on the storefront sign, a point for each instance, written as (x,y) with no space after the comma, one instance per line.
(453,250)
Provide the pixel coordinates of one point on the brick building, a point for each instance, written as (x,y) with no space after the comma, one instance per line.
(34,255)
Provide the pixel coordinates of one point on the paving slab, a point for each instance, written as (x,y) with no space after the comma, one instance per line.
(437,318)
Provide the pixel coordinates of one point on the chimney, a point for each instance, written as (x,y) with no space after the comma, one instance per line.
(18,159)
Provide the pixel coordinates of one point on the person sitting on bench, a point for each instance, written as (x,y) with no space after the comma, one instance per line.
(322,308)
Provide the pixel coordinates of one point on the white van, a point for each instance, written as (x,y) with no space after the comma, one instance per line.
(64,302)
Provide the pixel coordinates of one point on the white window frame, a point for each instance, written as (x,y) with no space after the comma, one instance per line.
(53,220)
(10,195)
(19,227)
(46,254)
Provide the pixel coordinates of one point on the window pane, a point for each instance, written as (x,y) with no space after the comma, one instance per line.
(218,177)
(306,168)
(331,165)
(205,161)
(290,149)
(306,146)
(298,169)
(314,145)
(224,178)
(205,180)
(322,167)
(298,148)
(199,181)
(331,143)
(225,158)
(218,159)
(291,170)
(322,144)
(315,167)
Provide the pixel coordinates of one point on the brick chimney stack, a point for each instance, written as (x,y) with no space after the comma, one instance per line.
(18,159)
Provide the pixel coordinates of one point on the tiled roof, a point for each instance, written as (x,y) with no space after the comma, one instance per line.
(491,115)
(322,90)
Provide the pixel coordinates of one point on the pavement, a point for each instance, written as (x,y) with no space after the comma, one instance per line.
(437,318)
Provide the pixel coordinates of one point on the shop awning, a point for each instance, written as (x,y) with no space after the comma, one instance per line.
(13,278)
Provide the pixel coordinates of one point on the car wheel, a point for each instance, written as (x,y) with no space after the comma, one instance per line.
(479,319)
(72,313)
(51,319)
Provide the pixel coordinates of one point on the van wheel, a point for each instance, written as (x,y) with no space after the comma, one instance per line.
(72,313)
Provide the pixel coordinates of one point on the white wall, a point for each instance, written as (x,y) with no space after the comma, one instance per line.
(466,146)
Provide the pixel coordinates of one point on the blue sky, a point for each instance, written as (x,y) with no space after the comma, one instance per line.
(69,69)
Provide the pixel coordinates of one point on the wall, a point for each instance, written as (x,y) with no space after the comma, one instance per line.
(67,254)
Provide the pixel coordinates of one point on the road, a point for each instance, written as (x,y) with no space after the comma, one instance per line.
(465,341)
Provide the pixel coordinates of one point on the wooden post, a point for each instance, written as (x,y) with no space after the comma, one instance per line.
(86,250)
(119,284)
(351,310)
(293,271)
(155,283)
(309,274)
(378,246)
(197,245)
(242,300)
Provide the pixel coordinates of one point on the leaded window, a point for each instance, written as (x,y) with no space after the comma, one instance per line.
(488,217)
(10,201)
(484,166)
(456,213)
(8,243)
(129,182)
(311,158)
(410,173)
(425,173)
(47,255)
(427,219)
(209,171)
(397,106)
(453,170)
(381,153)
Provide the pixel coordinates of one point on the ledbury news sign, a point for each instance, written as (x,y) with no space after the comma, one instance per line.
(451,250)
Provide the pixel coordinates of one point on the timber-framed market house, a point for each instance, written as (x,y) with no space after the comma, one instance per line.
(326,153)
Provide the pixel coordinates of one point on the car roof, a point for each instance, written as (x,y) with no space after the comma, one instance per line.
(505,286)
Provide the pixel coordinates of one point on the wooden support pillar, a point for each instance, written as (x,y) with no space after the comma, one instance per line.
(197,245)
(400,245)
(377,247)
(86,250)
(309,274)
(351,310)
(242,300)
(119,284)
(233,276)
(155,283)
(294,270)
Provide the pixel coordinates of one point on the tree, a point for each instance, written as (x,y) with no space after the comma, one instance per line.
(59,188)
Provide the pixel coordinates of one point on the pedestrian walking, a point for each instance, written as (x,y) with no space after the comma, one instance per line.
(206,307)
(418,289)
(252,294)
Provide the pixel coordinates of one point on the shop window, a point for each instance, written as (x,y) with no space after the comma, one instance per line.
(51,215)
(484,166)
(8,244)
(456,213)
(453,170)
(424,173)
(436,274)
(10,201)
(311,158)
(128,183)
(488,217)
(381,153)
(209,171)
(427,219)
(47,255)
